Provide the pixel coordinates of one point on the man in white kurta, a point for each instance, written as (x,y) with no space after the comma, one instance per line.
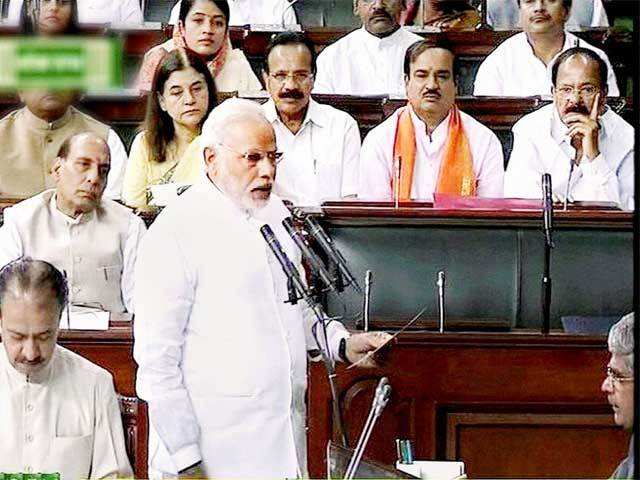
(431,89)
(253,12)
(221,356)
(504,14)
(368,61)
(92,12)
(547,140)
(520,66)
(58,411)
(93,240)
(321,144)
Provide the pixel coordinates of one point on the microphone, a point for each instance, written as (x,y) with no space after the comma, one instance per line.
(576,142)
(331,251)
(440,283)
(293,277)
(547,208)
(367,299)
(308,253)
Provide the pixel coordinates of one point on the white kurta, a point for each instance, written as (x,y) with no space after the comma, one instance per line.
(320,161)
(247,12)
(97,250)
(376,159)
(505,14)
(363,64)
(221,358)
(64,418)
(541,145)
(512,69)
(93,12)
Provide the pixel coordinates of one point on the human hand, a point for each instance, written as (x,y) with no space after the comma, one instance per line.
(583,130)
(361,345)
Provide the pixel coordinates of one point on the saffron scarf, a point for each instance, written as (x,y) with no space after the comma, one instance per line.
(456,176)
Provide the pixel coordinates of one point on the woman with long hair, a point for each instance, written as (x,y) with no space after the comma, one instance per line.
(203,28)
(49,17)
(182,95)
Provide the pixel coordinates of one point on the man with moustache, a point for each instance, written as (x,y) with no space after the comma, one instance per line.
(520,66)
(94,241)
(59,412)
(32,136)
(221,355)
(321,144)
(429,146)
(503,14)
(367,61)
(577,139)
(618,386)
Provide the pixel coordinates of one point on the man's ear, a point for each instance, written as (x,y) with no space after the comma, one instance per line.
(265,77)
(210,156)
(56,168)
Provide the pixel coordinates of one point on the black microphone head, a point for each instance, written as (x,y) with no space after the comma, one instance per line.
(266,232)
(287,223)
(546,183)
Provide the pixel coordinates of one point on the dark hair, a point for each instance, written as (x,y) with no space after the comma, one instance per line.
(187,5)
(26,274)
(63,151)
(565,3)
(290,38)
(603,69)
(29,23)
(419,47)
(158,124)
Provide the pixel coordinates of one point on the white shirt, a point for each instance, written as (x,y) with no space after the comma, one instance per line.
(64,418)
(253,12)
(221,356)
(70,246)
(363,64)
(320,162)
(505,14)
(120,12)
(119,158)
(512,69)
(376,158)
(541,145)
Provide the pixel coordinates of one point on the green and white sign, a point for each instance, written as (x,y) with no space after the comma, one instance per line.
(76,63)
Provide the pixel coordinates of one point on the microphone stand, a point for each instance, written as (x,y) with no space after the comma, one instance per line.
(547,203)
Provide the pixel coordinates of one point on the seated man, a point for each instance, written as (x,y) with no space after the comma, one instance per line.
(519,67)
(321,144)
(368,61)
(579,129)
(59,411)
(618,386)
(93,241)
(503,14)
(247,12)
(429,145)
(92,12)
(32,135)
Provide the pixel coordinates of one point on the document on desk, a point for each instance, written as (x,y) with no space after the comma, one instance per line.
(85,318)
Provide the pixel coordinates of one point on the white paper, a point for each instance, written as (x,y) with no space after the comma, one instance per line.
(85,318)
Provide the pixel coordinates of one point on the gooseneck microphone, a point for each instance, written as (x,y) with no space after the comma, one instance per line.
(331,251)
(547,207)
(313,259)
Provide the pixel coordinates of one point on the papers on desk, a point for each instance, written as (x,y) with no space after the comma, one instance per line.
(85,318)
(431,470)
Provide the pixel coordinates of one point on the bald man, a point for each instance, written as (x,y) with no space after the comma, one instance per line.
(221,356)
(93,240)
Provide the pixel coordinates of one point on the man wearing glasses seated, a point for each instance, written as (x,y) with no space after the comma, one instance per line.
(618,385)
(321,144)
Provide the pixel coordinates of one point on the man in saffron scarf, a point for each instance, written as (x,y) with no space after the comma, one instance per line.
(430,146)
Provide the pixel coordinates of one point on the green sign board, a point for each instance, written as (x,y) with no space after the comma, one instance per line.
(77,63)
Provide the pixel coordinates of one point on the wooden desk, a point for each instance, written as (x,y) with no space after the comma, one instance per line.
(514,405)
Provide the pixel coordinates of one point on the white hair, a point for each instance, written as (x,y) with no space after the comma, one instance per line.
(225,114)
(621,340)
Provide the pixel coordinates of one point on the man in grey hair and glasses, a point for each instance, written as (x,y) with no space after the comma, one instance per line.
(618,385)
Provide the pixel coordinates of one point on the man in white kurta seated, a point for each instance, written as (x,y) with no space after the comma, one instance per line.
(221,356)
(92,12)
(430,146)
(368,61)
(520,65)
(253,12)
(93,240)
(577,127)
(321,144)
(59,411)
(32,135)
(504,14)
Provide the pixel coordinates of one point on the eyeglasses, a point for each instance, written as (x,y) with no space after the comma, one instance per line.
(615,378)
(297,77)
(253,158)
(585,91)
